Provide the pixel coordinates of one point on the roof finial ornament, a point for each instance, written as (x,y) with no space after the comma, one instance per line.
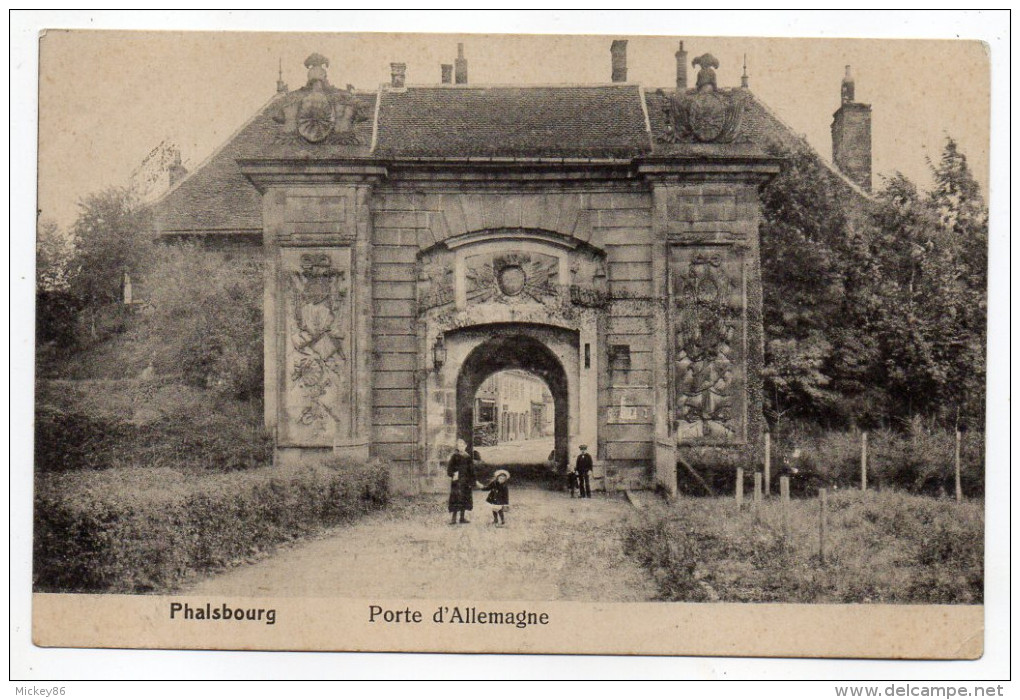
(319,112)
(280,85)
(744,79)
(317,65)
(706,76)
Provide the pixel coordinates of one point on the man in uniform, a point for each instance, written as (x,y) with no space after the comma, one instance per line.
(583,468)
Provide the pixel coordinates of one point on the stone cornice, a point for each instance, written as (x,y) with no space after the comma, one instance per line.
(708,169)
(486,171)
(264,173)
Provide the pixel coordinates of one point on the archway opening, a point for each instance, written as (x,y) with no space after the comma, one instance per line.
(512,407)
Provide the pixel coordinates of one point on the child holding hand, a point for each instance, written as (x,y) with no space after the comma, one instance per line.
(499,496)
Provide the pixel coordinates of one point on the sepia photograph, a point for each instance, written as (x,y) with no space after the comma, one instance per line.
(477,342)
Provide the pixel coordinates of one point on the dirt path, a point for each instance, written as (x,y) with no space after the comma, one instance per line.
(554,548)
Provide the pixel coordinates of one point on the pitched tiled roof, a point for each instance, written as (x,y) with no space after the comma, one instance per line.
(216,197)
(459,121)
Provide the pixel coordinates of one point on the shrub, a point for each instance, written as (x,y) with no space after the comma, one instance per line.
(889,547)
(139,530)
(205,319)
(152,423)
(915,458)
(70,441)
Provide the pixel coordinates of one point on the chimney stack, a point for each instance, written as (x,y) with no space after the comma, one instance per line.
(398,74)
(744,79)
(447,72)
(847,87)
(681,68)
(460,66)
(851,135)
(619,52)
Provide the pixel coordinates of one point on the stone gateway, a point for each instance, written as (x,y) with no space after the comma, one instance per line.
(418,239)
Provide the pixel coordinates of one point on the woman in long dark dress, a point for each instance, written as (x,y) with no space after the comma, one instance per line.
(461,470)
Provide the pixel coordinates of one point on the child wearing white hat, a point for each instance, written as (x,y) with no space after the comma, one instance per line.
(499,496)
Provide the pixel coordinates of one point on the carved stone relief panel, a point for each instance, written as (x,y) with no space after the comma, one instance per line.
(589,283)
(708,320)
(435,280)
(316,369)
(510,277)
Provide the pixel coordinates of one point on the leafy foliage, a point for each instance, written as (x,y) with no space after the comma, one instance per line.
(875,310)
(53,251)
(110,238)
(205,321)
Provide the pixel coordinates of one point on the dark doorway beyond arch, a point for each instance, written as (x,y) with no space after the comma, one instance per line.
(513,349)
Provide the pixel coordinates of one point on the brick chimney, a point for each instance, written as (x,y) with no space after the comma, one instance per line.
(851,135)
(447,72)
(619,52)
(681,68)
(846,88)
(176,172)
(398,74)
(460,66)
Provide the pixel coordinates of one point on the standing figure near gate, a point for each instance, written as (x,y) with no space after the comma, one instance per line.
(461,470)
(584,467)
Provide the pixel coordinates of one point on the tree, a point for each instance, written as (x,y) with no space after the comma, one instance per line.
(932,251)
(110,239)
(55,307)
(803,284)
(53,251)
(205,320)
(874,310)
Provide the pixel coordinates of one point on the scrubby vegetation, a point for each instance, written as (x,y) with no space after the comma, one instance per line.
(913,456)
(148,529)
(128,423)
(887,547)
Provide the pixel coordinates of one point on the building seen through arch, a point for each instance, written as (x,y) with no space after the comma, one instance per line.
(512,405)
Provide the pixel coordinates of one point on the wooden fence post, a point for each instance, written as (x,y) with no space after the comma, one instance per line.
(757,494)
(784,497)
(768,462)
(823,496)
(740,487)
(959,487)
(864,461)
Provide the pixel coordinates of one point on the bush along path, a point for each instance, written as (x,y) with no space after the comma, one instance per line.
(553,548)
(150,530)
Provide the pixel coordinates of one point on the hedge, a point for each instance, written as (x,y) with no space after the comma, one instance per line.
(146,530)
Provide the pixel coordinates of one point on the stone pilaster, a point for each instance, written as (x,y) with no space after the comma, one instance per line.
(317,243)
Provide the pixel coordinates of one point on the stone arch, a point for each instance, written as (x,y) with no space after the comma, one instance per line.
(511,346)
(457,214)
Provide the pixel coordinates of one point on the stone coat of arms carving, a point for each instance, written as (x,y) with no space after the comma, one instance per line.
(319,112)
(705,114)
(512,276)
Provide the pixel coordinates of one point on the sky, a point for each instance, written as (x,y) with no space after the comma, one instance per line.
(107,98)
